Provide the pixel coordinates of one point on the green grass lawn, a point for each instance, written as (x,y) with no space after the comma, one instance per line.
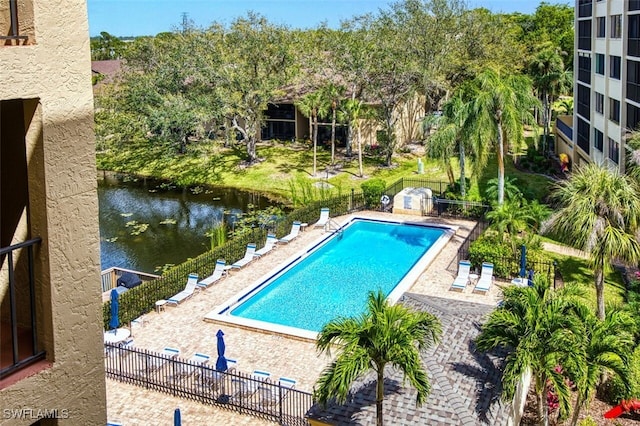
(577,270)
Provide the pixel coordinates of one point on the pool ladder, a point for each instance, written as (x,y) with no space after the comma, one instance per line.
(332,226)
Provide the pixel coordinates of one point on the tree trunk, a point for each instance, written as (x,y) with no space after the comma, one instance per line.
(500,161)
(360,153)
(349,140)
(380,396)
(315,143)
(463,182)
(540,406)
(545,119)
(576,411)
(599,273)
(251,149)
(333,134)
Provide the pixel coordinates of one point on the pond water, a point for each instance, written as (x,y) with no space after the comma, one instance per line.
(145,225)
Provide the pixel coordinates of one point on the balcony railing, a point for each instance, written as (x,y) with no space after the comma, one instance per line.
(14,31)
(565,128)
(18,326)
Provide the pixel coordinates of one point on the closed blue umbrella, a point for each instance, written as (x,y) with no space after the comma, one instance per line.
(177,418)
(114,322)
(523,261)
(221,362)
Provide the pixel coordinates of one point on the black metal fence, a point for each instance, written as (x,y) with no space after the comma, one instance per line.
(266,398)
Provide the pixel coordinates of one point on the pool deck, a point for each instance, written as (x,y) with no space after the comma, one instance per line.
(183,327)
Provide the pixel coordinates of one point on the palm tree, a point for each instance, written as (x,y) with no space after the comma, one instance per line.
(550,80)
(608,344)
(312,105)
(540,330)
(332,95)
(352,111)
(451,134)
(509,219)
(501,107)
(599,213)
(384,334)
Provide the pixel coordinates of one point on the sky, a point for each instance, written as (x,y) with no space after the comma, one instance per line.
(150,17)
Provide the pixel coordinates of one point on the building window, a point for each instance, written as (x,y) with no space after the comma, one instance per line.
(598,140)
(614,110)
(633,80)
(584,35)
(634,4)
(584,8)
(633,117)
(614,67)
(601,27)
(633,36)
(583,135)
(616,26)
(600,63)
(614,151)
(584,68)
(584,101)
(599,103)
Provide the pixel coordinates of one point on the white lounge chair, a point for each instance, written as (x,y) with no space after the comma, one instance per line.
(152,363)
(192,284)
(461,281)
(295,230)
(184,370)
(269,245)
(486,278)
(248,256)
(324,218)
(218,272)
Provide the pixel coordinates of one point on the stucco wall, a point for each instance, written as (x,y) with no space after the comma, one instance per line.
(64,211)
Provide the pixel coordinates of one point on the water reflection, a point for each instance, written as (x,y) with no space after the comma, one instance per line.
(145,225)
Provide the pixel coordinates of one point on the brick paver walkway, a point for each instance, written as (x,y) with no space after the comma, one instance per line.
(465,385)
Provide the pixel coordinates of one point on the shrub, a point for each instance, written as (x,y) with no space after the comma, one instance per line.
(614,389)
(372,191)
(489,248)
(588,421)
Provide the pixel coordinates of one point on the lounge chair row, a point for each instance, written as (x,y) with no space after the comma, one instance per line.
(482,285)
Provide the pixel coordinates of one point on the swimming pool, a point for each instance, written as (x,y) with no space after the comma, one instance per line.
(333,276)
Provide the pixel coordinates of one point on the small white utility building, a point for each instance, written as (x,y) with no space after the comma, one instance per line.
(416,201)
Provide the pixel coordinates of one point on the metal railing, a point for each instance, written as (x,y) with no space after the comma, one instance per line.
(14,33)
(264,398)
(23,315)
(109,277)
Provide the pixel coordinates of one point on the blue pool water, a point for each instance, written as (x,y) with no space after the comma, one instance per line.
(335,278)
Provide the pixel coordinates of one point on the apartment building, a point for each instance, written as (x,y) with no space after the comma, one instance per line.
(51,341)
(607,82)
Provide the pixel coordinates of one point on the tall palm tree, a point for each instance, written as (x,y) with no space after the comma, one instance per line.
(384,334)
(312,105)
(550,78)
(332,95)
(608,345)
(598,212)
(352,111)
(451,134)
(501,107)
(540,330)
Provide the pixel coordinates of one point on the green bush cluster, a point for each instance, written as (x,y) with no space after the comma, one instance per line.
(372,191)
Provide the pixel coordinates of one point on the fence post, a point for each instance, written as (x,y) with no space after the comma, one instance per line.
(351,201)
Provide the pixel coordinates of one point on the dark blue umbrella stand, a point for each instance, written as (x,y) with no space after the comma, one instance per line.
(114,322)
(177,418)
(221,362)
(523,261)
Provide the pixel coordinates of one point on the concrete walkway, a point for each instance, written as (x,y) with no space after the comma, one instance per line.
(183,327)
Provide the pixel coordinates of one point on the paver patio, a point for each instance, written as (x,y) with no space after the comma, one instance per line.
(455,397)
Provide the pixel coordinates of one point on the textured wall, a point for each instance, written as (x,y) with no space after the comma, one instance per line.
(64,211)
